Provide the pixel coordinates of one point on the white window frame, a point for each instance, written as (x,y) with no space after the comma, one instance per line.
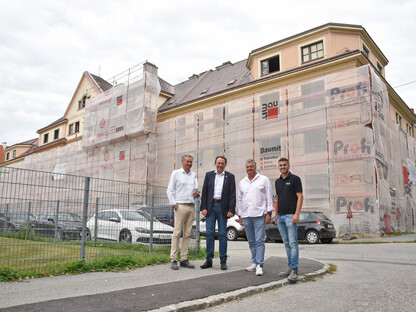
(268,58)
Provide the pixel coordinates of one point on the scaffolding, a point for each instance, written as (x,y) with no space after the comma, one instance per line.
(336,130)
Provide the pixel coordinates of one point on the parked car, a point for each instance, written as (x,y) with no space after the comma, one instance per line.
(68,225)
(313,227)
(6,225)
(234,229)
(129,226)
(163,213)
(19,219)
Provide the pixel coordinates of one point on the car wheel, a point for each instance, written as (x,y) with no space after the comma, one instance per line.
(125,236)
(60,235)
(266,238)
(312,237)
(87,234)
(193,233)
(232,234)
(326,240)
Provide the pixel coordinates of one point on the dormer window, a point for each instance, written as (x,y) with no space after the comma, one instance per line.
(45,138)
(379,68)
(312,52)
(366,52)
(270,65)
(56,134)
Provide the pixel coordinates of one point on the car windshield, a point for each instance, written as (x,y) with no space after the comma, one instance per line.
(322,216)
(147,216)
(69,217)
(132,215)
(20,216)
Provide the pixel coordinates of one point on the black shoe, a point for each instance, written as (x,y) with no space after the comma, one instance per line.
(207,264)
(223,266)
(186,264)
(174,265)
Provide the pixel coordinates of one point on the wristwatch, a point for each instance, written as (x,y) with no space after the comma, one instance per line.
(269,213)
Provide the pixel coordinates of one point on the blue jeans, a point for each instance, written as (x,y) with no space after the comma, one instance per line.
(216,215)
(255,231)
(289,233)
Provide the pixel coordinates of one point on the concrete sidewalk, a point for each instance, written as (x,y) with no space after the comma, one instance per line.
(385,239)
(149,288)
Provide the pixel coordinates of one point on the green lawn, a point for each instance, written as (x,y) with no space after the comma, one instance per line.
(21,258)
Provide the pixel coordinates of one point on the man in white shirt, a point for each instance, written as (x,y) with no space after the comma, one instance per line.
(182,191)
(254,207)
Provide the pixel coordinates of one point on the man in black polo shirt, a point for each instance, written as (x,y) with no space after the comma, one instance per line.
(288,204)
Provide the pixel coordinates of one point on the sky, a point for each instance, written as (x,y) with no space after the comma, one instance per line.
(46,45)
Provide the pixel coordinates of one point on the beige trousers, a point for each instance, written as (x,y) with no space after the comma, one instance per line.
(184,217)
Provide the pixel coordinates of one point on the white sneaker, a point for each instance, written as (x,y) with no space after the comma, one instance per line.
(251,268)
(259,270)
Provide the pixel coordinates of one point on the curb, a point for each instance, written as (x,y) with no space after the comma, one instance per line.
(215,300)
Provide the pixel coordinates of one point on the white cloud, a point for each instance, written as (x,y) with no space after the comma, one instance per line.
(45,46)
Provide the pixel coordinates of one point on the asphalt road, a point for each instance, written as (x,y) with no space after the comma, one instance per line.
(369,277)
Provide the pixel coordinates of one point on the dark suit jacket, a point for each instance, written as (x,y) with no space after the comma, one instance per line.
(227,196)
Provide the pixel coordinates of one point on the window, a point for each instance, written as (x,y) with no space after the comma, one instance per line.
(409,130)
(56,134)
(399,119)
(315,141)
(312,52)
(77,127)
(81,103)
(71,129)
(14,153)
(314,94)
(45,138)
(270,65)
(379,68)
(7,155)
(366,52)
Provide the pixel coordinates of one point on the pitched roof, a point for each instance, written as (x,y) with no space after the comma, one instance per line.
(166,87)
(28,142)
(56,122)
(224,77)
(101,83)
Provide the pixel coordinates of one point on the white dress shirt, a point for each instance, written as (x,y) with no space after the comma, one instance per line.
(255,197)
(181,187)
(219,182)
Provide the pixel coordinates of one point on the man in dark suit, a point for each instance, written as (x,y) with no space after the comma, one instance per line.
(218,204)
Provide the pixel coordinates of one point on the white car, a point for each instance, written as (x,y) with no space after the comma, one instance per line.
(234,229)
(129,226)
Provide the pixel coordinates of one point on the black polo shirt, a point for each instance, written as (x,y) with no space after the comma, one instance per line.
(286,190)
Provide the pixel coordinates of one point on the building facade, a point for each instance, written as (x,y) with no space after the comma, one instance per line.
(319,98)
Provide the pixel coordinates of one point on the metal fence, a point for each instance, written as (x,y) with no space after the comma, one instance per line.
(48,219)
